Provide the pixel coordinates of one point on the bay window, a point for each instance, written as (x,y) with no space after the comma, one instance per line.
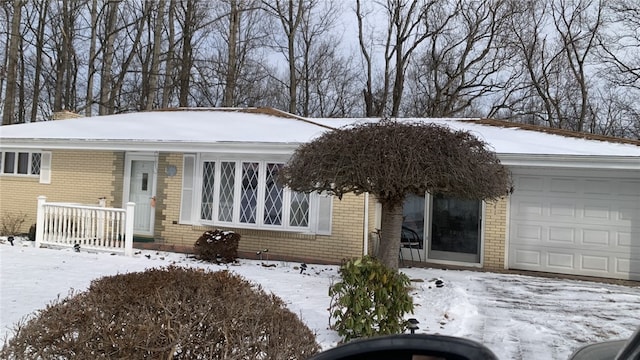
(245,193)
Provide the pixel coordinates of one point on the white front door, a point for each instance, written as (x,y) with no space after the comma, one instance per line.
(141,192)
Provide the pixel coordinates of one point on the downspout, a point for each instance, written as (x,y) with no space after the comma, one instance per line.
(365,245)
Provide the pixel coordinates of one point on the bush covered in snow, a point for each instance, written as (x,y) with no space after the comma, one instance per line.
(171,313)
(218,246)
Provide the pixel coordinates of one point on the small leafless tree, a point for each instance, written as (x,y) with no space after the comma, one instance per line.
(391,159)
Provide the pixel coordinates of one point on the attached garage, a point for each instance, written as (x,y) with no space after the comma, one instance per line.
(581,222)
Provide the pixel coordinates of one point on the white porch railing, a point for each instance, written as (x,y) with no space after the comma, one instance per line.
(90,227)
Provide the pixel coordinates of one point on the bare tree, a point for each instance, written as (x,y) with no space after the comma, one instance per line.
(325,73)
(555,42)
(317,70)
(578,24)
(391,159)
(463,62)
(289,13)
(539,62)
(239,25)
(619,48)
(328,81)
(406,29)
(134,31)
(621,45)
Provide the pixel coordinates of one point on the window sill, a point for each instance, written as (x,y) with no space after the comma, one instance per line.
(238,227)
(20,177)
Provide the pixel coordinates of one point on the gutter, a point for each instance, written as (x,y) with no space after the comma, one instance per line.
(623,162)
(144,145)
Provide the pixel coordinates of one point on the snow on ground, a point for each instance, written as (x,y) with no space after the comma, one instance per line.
(518,317)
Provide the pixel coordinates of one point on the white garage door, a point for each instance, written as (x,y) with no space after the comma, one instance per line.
(571,222)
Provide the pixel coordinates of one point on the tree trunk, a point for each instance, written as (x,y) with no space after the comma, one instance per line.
(155,59)
(138,30)
(63,58)
(367,92)
(187,55)
(71,62)
(92,57)
(38,68)
(293,79)
(228,99)
(168,83)
(6,39)
(107,59)
(12,65)
(21,89)
(391,229)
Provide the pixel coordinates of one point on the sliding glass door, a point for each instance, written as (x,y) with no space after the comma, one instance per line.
(455,229)
(451,232)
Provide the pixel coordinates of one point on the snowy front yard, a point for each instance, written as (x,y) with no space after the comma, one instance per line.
(518,317)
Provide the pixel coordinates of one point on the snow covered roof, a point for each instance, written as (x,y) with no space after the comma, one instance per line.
(185,128)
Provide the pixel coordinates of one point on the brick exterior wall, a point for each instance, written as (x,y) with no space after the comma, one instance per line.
(495,234)
(79,177)
(117,179)
(345,240)
(83,177)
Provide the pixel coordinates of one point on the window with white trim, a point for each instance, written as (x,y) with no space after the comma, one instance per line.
(245,194)
(26,163)
(20,163)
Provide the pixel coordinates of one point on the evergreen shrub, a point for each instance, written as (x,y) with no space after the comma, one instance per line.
(371,299)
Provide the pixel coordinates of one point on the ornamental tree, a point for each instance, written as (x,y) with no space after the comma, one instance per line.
(391,159)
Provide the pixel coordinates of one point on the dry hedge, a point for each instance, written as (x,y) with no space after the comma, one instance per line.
(169,313)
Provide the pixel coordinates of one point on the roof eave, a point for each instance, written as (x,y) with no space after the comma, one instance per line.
(145,145)
(572,161)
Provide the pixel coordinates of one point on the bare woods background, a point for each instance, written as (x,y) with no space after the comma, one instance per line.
(571,64)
